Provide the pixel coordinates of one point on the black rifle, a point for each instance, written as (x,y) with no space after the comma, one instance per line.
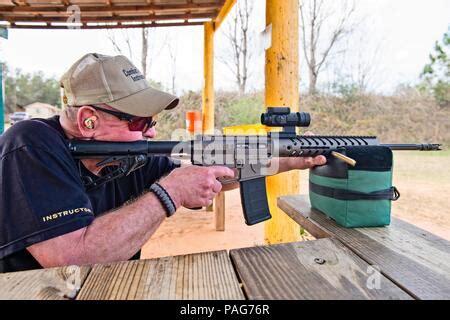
(249,154)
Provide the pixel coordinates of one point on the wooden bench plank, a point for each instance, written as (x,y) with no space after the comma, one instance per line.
(318,269)
(43,284)
(414,259)
(208,275)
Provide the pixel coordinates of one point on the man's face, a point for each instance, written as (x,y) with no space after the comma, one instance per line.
(111,128)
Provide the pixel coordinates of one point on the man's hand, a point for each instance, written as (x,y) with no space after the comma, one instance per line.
(195,186)
(307,162)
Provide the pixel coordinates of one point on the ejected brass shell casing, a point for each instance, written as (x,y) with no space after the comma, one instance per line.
(346,159)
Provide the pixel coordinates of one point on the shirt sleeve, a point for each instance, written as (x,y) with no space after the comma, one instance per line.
(42,197)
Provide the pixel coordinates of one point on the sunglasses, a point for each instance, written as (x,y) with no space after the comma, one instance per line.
(134,123)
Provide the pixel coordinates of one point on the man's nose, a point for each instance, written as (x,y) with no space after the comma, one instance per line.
(150,133)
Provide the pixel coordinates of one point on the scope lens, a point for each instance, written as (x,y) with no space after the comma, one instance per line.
(304,119)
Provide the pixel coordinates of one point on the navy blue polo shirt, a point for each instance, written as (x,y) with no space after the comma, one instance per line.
(42,195)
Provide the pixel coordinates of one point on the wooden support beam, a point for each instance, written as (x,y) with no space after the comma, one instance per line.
(227,6)
(148,25)
(189,2)
(151,17)
(19,2)
(208,79)
(281,89)
(208,109)
(106,8)
(219,210)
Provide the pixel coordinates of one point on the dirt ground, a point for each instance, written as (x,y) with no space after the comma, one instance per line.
(420,179)
(192,231)
(423,179)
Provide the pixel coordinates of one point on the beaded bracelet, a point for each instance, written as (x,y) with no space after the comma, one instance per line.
(164,197)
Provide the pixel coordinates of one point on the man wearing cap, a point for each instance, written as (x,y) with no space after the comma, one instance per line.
(48,218)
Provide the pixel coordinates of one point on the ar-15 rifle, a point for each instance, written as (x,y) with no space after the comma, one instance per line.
(250,155)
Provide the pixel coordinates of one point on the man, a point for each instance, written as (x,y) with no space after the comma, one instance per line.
(48,218)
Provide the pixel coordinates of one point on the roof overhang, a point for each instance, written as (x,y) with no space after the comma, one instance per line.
(103,14)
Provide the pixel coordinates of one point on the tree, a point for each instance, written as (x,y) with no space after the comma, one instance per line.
(25,88)
(111,34)
(144,51)
(357,69)
(317,19)
(126,41)
(172,66)
(238,34)
(436,73)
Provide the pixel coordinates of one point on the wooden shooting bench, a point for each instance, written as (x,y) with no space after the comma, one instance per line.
(396,262)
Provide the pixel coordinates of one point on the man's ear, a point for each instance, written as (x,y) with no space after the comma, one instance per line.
(87,121)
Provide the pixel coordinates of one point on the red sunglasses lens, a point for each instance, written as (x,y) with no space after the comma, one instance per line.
(140,124)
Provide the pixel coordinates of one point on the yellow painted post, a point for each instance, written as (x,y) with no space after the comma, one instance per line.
(226,8)
(208,87)
(281,89)
(219,205)
(208,79)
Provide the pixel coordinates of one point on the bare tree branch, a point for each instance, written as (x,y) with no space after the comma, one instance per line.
(112,38)
(316,18)
(229,64)
(144,51)
(303,29)
(239,36)
(128,42)
(173,60)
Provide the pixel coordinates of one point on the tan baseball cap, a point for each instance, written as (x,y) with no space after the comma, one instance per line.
(115,81)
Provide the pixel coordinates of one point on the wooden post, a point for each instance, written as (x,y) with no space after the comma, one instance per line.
(281,89)
(208,104)
(226,8)
(208,98)
(208,85)
(219,206)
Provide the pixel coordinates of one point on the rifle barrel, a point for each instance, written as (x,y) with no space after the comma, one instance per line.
(85,149)
(421,147)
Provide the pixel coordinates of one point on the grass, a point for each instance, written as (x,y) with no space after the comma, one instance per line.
(424,180)
(440,153)
(422,167)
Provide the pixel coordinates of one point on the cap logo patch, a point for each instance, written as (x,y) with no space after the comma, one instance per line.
(134,73)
